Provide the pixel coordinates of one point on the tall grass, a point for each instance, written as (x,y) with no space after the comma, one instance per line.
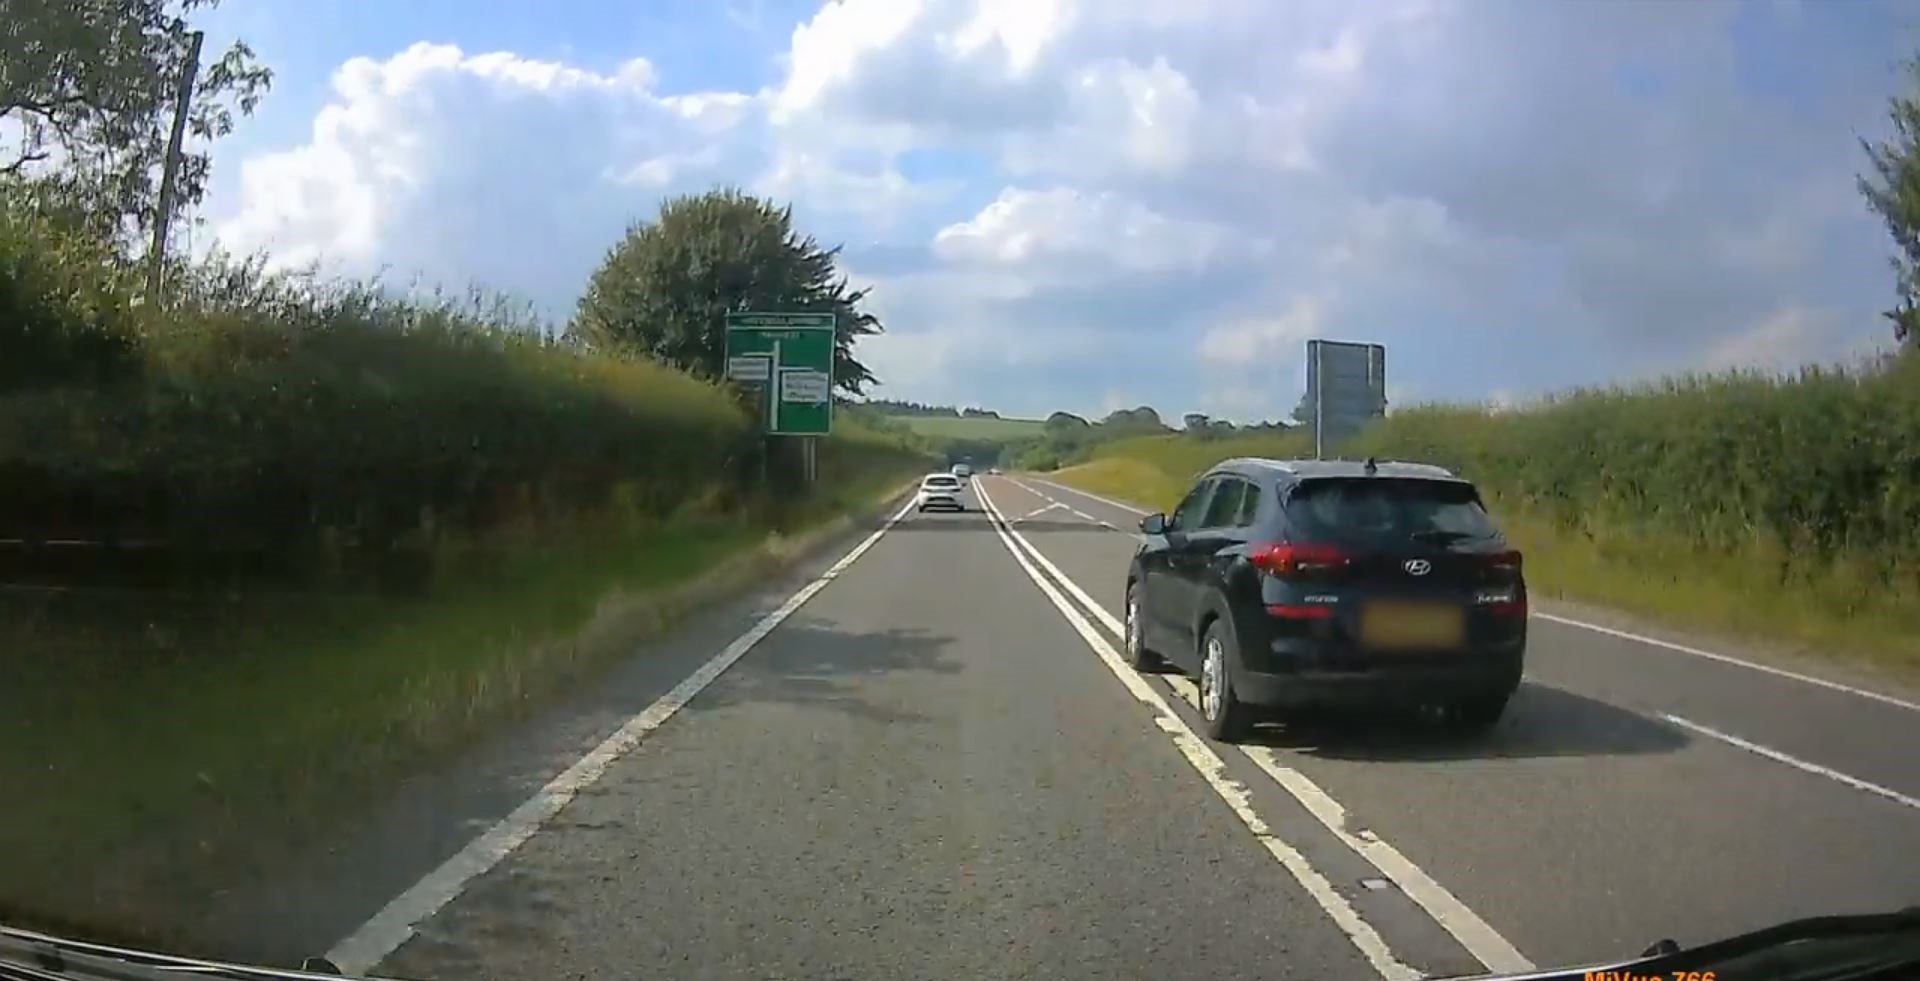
(1782,506)
(1156,470)
(172,715)
(1823,463)
(1786,508)
(312,421)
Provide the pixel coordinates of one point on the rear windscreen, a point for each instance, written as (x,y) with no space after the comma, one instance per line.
(1387,510)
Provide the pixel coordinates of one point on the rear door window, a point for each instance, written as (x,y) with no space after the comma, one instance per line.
(1249,507)
(1390,511)
(1224,509)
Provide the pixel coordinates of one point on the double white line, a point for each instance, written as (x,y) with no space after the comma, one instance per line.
(1453,916)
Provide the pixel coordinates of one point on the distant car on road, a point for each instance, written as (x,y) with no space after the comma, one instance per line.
(939,490)
(963,471)
(1288,584)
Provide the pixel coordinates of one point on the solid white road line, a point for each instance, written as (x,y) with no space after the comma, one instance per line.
(1212,769)
(395,923)
(1462,923)
(1459,920)
(1738,662)
(1794,761)
(1819,682)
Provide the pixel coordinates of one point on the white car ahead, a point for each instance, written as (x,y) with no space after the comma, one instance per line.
(939,490)
(963,471)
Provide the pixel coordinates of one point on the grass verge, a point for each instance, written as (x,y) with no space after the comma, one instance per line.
(157,747)
(1775,602)
(1122,479)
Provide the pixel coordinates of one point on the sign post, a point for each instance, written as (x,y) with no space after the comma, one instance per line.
(1346,389)
(788,358)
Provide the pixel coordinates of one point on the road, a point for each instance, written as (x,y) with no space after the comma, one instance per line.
(927,761)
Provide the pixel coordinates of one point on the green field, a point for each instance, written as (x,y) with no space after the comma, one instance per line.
(304,704)
(1782,510)
(958,427)
(379,526)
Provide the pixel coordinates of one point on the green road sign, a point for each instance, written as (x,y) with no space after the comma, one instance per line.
(789,358)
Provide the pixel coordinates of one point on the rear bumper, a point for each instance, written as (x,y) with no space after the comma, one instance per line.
(1296,672)
(1394,686)
(938,502)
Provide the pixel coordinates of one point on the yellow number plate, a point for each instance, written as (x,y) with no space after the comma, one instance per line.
(1412,625)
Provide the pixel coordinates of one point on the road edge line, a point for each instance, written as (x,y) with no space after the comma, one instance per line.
(1212,769)
(1476,935)
(1790,675)
(1473,933)
(387,930)
(1809,679)
(1806,766)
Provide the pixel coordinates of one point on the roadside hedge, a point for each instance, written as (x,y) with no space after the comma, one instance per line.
(1814,466)
(283,417)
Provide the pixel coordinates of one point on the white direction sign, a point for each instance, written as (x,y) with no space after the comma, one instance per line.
(805,385)
(749,368)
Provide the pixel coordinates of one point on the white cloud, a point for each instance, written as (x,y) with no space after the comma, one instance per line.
(1064,199)
(878,199)
(458,167)
(1259,341)
(1785,338)
(1121,117)
(1099,233)
(827,51)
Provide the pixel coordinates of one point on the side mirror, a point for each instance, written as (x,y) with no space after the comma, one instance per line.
(1154,524)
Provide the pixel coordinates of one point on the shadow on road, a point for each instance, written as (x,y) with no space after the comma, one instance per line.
(1540,722)
(809,662)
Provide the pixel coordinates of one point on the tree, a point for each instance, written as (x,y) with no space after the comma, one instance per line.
(665,289)
(1066,420)
(1893,192)
(86,104)
(1195,421)
(1141,418)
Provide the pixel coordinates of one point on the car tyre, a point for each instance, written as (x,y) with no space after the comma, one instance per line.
(1138,655)
(1477,713)
(1228,718)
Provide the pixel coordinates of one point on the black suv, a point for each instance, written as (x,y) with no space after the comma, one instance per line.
(1287,584)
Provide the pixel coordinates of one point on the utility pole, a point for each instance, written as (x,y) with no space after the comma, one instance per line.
(169,173)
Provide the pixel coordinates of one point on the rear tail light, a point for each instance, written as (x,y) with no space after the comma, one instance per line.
(1287,559)
(1301,611)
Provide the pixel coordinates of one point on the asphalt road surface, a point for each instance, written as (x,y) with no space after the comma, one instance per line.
(926,761)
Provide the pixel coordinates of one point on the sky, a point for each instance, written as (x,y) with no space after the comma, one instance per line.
(1094,204)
